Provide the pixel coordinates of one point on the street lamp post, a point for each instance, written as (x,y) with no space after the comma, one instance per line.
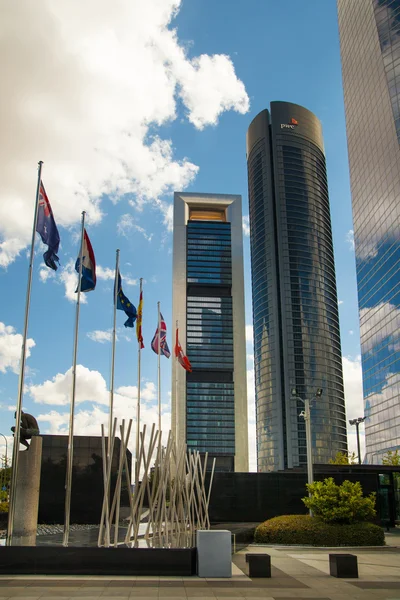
(306,414)
(357,422)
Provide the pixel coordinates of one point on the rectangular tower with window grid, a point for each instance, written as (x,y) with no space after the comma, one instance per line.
(209,405)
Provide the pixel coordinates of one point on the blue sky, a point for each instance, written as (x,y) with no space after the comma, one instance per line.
(124,109)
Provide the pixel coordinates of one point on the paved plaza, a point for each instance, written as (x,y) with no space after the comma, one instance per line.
(296,573)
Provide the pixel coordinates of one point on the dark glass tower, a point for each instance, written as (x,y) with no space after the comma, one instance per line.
(295,310)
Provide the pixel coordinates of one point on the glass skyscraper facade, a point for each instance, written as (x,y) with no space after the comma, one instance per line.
(208,298)
(295,311)
(210,419)
(370,52)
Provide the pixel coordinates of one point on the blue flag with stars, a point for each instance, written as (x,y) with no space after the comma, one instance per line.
(126,305)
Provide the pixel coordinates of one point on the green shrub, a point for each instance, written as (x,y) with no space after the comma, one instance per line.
(3,507)
(306,530)
(340,503)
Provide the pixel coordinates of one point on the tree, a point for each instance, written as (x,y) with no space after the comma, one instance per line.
(339,503)
(343,458)
(392,457)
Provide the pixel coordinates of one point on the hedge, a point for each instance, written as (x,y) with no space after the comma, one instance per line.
(306,530)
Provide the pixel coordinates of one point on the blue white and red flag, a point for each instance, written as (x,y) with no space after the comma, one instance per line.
(47,229)
(88,281)
(163,339)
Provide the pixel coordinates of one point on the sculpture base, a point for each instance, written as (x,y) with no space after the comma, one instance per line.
(54,560)
(27,494)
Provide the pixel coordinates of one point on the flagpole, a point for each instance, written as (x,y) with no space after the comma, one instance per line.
(114,337)
(138,401)
(68,484)
(15,455)
(176,388)
(159,371)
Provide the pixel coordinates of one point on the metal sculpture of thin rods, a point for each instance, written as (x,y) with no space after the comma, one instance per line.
(173,481)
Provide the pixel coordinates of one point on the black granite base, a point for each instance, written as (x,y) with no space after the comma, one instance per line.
(259,565)
(343,565)
(23,560)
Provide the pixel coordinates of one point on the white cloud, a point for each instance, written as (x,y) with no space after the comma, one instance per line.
(208,86)
(246,225)
(249,334)
(148,392)
(340,302)
(45,273)
(10,348)
(386,315)
(353,392)
(69,278)
(88,421)
(90,386)
(350,239)
(100,336)
(109,73)
(130,280)
(105,273)
(127,224)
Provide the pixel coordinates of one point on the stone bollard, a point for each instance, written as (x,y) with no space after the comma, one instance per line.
(27,494)
(214,553)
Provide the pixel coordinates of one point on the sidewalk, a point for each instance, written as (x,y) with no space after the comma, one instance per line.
(296,573)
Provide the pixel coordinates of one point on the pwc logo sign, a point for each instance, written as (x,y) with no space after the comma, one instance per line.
(291,125)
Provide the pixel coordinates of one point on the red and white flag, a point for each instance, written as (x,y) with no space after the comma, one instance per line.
(180,355)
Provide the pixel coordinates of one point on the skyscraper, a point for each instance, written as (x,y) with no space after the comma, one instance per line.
(209,405)
(370,51)
(295,310)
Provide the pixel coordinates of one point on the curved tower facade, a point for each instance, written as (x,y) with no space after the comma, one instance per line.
(295,309)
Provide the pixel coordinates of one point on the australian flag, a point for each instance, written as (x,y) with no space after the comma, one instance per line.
(124,304)
(47,229)
(163,339)
(88,281)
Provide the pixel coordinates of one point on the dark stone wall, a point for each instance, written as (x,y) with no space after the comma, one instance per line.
(87,479)
(256,497)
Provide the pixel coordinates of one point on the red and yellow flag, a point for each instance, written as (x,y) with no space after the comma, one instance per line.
(139,321)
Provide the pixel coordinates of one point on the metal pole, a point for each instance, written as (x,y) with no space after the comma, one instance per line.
(68,483)
(307,418)
(176,392)
(14,466)
(159,371)
(138,403)
(358,442)
(114,337)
